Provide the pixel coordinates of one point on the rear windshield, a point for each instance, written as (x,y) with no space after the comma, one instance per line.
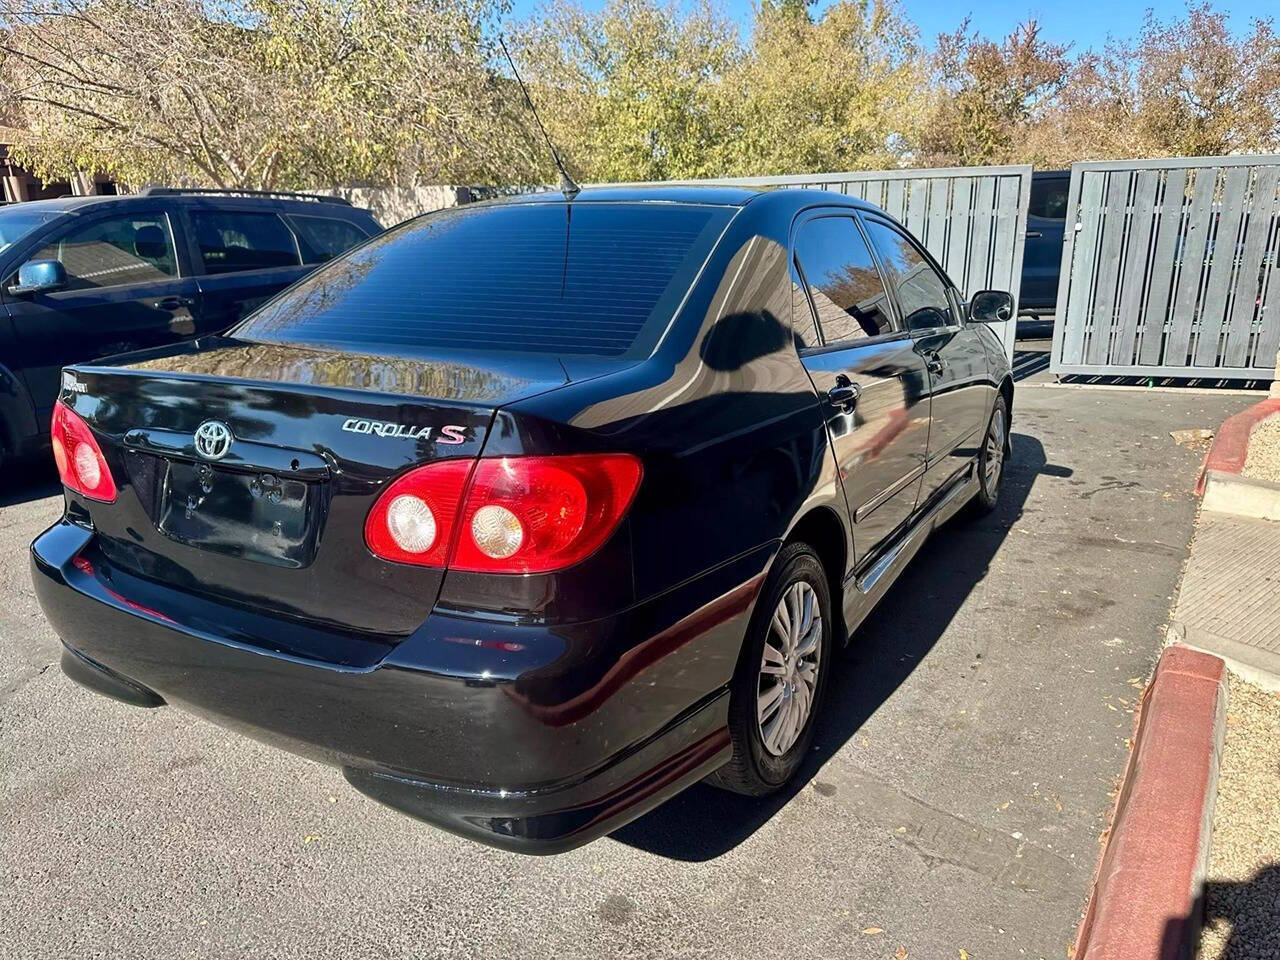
(588,278)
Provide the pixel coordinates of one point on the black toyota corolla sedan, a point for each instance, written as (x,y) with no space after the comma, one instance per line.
(529,514)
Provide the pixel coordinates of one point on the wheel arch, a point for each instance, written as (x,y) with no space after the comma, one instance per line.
(822,529)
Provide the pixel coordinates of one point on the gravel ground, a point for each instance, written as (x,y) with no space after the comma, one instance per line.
(1263,462)
(1242,892)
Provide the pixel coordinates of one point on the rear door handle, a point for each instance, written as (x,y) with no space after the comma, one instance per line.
(844,395)
(172,303)
(1034,234)
(934,362)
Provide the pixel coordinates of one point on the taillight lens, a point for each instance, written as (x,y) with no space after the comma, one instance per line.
(412,522)
(79,458)
(517,515)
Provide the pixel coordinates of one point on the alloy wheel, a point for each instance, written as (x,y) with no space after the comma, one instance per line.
(994,458)
(789,668)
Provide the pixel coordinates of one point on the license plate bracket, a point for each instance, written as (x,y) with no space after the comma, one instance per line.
(253,516)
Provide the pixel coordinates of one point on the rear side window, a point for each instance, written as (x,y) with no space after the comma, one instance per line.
(323,238)
(922,293)
(230,241)
(587,278)
(846,287)
(115,251)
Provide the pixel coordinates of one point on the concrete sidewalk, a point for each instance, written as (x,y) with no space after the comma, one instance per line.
(1229,602)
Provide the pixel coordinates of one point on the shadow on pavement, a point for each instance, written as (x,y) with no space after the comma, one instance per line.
(703,822)
(1251,909)
(27,480)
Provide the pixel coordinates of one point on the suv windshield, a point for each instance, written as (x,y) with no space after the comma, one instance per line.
(596,279)
(16,223)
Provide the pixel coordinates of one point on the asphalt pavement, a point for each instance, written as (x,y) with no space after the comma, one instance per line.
(960,778)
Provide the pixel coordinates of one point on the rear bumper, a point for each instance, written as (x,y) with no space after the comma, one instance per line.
(531,738)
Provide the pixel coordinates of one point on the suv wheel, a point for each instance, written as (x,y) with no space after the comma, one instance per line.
(781,676)
(991,459)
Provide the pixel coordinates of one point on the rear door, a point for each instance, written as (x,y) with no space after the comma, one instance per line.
(959,381)
(322,238)
(245,256)
(866,369)
(127,289)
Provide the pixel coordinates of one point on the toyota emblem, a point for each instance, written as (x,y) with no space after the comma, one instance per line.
(213,439)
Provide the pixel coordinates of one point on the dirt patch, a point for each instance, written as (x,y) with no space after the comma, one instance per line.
(1263,461)
(1242,891)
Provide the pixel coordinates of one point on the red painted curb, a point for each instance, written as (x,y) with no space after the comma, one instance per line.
(1144,902)
(1231,443)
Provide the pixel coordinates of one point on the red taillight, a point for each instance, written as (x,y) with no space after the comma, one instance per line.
(412,522)
(80,462)
(518,515)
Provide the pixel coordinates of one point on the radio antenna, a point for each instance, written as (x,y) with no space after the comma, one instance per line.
(568,187)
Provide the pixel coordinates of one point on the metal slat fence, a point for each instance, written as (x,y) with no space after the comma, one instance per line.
(972,219)
(1170,269)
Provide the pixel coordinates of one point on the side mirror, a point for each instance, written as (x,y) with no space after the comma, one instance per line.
(990,306)
(39,276)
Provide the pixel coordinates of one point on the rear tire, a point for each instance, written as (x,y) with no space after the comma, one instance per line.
(775,696)
(991,460)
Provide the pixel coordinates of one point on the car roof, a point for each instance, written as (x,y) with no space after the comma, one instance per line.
(706,194)
(82,204)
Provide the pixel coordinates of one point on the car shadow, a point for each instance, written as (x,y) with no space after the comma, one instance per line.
(703,822)
(23,481)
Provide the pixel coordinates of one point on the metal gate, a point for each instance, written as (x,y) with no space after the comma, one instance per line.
(972,219)
(1171,269)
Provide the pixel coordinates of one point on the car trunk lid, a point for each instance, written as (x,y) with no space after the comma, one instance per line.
(246,470)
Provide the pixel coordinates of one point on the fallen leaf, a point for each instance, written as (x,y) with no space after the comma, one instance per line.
(872,931)
(964,954)
(1005,805)
(900,953)
(311,838)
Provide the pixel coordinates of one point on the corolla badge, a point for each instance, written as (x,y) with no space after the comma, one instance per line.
(213,439)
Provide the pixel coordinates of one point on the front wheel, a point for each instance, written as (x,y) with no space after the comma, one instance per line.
(991,458)
(781,676)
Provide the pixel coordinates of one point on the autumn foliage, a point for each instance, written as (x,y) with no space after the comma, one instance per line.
(324,92)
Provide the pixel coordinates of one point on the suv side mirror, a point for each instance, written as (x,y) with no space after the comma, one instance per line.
(990,306)
(39,276)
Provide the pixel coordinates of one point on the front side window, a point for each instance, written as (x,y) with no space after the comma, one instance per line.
(231,241)
(323,238)
(922,292)
(848,292)
(114,251)
(1049,197)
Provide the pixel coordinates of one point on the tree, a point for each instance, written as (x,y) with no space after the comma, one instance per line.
(842,91)
(1184,87)
(261,93)
(647,90)
(629,92)
(988,94)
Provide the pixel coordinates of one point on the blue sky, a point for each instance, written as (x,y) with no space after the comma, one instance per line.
(1084,23)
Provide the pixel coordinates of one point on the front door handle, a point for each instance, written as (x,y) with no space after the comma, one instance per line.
(172,303)
(934,362)
(844,395)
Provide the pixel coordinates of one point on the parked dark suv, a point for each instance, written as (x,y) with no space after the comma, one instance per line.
(529,514)
(87,277)
(1042,254)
